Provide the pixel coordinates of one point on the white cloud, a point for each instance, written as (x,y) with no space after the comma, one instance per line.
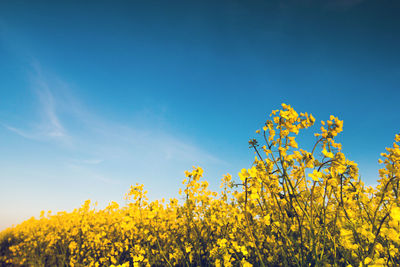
(92,140)
(51,125)
(48,126)
(90,174)
(20,132)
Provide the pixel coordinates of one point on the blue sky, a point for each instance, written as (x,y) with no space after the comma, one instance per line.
(98,95)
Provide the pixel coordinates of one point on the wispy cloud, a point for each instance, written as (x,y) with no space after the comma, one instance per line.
(91,174)
(51,125)
(19,132)
(48,125)
(99,147)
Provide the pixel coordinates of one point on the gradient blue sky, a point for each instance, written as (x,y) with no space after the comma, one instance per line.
(98,95)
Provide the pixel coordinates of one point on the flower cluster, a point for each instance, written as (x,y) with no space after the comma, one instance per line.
(293,207)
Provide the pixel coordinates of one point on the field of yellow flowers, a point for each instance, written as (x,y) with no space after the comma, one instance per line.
(291,208)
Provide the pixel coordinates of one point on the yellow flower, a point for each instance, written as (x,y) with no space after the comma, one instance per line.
(395,213)
(246,263)
(267,219)
(327,154)
(235,226)
(243,175)
(316,175)
(367,260)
